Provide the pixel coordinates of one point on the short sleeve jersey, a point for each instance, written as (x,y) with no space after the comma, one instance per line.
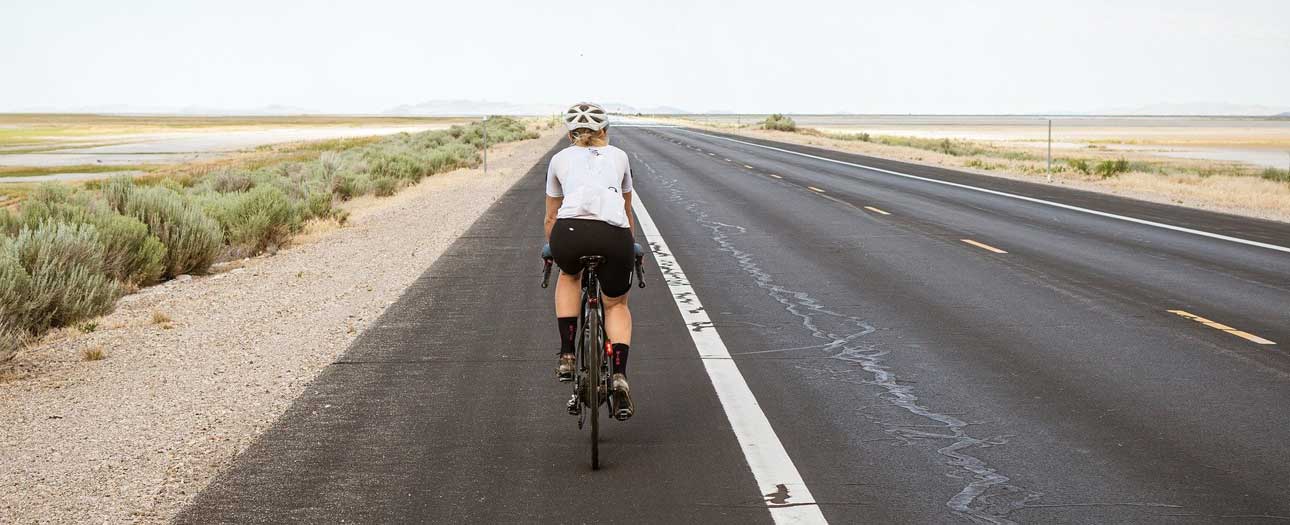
(592,181)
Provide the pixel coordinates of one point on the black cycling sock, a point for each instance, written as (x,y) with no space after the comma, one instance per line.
(620,358)
(568,331)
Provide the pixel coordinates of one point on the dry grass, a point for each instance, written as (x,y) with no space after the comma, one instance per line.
(160,318)
(95,353)
(8,374)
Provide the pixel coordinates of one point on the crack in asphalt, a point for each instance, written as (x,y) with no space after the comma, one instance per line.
(989,497)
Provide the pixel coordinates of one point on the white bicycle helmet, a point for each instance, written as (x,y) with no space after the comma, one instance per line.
(585,115)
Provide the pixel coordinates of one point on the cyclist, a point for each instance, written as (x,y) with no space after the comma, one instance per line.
(588,212)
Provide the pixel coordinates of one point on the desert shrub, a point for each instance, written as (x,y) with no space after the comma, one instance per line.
(66,282)
(318,204)
(11,339)
(779,122)
(253,221)
(1271,174)
(116,190)
(131,253)
(14,285)
(394,163)
(385,186)
(349,185)
(862,137)
(9,223)
(1079,165)
(450,157)
(1110,168)
(230,181)
(192,239)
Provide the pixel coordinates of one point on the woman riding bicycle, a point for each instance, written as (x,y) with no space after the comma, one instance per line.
(588,212)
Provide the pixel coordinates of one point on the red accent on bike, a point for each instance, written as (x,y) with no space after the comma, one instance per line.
(609,349)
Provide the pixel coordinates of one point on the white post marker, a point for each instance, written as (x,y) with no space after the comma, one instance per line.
(1050,150)
(780,484)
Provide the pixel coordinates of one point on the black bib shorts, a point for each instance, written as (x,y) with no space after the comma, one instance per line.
(575,238)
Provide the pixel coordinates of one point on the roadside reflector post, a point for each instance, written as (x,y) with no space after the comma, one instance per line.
(1050,150)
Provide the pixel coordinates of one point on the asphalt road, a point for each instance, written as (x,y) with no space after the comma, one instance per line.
(911,376)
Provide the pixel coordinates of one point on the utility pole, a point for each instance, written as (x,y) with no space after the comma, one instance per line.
(1050,150)
(485,144)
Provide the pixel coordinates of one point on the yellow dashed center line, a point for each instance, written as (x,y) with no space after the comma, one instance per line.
(876,210)
(814,189)
(983,246)
(1220,326)
(776,176)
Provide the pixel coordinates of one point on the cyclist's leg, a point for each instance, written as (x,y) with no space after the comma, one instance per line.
(618,320)
(566,246)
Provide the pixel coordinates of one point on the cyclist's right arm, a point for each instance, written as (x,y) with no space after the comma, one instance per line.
(552,208)
(554,198)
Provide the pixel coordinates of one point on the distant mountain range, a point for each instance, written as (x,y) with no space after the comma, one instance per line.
(485,107)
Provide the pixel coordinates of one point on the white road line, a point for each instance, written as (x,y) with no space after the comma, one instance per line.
(1013,196)
(876,210)
(780,484)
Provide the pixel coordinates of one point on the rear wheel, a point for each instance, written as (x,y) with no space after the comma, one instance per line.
(594,380)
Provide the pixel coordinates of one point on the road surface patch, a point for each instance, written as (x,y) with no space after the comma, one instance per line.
(876,210)
(983,246)
(1220,326)
(784,492)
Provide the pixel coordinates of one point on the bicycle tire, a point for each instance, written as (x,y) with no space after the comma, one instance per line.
(591,333)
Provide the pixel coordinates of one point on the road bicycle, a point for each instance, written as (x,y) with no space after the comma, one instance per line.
(593,378)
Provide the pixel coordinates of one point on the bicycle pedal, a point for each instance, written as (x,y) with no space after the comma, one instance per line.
(573,406)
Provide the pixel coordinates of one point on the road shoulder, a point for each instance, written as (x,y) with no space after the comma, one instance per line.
(197,368)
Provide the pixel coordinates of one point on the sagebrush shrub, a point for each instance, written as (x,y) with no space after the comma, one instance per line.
(192,239)
(255,220)
(1111,168)
(779,122)
(66,282)
(385,186)
(10,340)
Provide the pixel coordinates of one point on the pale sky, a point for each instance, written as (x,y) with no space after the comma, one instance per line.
(801,56)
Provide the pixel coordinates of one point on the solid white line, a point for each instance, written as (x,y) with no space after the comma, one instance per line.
(1013,196)
(770,464)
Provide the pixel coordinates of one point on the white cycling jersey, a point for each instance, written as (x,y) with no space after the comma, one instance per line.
(592,181)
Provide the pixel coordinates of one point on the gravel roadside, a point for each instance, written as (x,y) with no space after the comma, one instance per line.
(196,368)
